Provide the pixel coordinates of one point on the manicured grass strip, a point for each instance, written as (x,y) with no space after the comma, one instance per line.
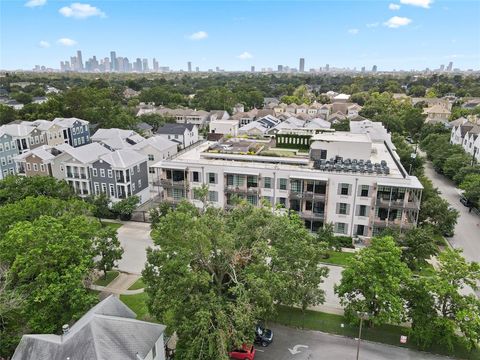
(338,258)
(137,285)
(138,304)
(111,275)
(387,334)
(112,225)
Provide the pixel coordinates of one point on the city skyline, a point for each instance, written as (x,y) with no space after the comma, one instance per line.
(410,35)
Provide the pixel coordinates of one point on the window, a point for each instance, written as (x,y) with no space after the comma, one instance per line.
(296,186)
(1,147)
(102,172)
(213,196)
(151,170)
(37,140)
(282,184)
(9,159)
(342,209)
(139,183)
(212,178)
(341,228)
(362,210)
(133,186)
(74,131)
(110,173)
(364,191)
(151,157)
(267,183)
(96,187)
(13,145)
(74,142)
(7,146)
(195,176)
(282,201)
(344,189)
(360,230)
(112,190)
(138,168)
(4,162)
(104,188)
(42,168)
(35,167)
(28,165)
(252,199)
(94,171)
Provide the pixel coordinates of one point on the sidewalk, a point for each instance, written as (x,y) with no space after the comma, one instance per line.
(119,286)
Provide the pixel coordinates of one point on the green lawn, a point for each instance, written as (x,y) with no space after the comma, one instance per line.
(111,275)
(330,323)
(113,225)
(138,303)
(137,285)
(338,258)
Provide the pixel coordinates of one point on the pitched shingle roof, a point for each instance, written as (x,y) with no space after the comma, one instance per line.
(108,331)
(178,129)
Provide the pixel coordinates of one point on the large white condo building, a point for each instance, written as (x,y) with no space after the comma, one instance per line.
(346,179)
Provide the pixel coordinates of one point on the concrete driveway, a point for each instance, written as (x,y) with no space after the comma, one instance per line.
(135,239)
(315,345)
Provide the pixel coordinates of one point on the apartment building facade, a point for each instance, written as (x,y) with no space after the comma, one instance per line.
(355,184)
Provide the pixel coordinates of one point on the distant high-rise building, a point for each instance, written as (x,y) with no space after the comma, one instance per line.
(197,69)
(442,67)
(138,65)
(252,68)
(145,65)
(79,60)
(119,64)
(217,68)
(301,66)
(450,66)
(280,68)
(374,68)
(113,61)
(189,66)
(106,64)
(155,65)
(327,67)
(363,69)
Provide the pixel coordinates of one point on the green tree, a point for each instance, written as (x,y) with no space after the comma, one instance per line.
(413,120)
(343,125)
(471,185)
(22,97)
(214,274)
(124,208)
(454,163)
(101,206)
(418,245)
(438,213)
(54,286)
(373,283)
(440,310)
(108,248)
(7,114)
(14,188)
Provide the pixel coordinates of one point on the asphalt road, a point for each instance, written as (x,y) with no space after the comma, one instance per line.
(319,346)
(467,231)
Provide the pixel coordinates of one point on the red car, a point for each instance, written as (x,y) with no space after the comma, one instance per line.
(245,353)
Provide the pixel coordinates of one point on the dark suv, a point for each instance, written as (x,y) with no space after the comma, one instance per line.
(263,336)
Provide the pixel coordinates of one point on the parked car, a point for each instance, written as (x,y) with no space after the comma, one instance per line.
(465,201)
(246,352)
(263,336)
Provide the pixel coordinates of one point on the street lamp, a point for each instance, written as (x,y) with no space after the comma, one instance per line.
(362,316)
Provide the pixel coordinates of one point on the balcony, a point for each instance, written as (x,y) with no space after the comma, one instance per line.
(312,215)
(169,183)
(123,180)
(74,175)
(393,223)
(236,189)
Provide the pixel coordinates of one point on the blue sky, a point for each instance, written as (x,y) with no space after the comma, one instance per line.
(397,34)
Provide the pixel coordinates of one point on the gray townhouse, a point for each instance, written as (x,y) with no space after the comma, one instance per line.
(120,174)
(76,132)
(8,150)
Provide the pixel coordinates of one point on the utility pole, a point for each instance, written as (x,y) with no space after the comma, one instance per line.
(363,316)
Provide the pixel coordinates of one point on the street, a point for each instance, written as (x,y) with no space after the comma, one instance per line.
(467,231)
(315,345)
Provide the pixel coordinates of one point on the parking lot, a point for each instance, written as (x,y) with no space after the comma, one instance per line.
(293,344)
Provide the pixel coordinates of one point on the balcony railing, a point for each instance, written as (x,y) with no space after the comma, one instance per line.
(312,215)
(76,175)
(393,223)
(172,183)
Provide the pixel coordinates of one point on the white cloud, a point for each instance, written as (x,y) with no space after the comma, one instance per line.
(353,31)
(44,44)
(394,6)
(35,3)
(80,11)
(66,42)
(245,55)
(397,21)
(199,35)
(372,25)
(421,3)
